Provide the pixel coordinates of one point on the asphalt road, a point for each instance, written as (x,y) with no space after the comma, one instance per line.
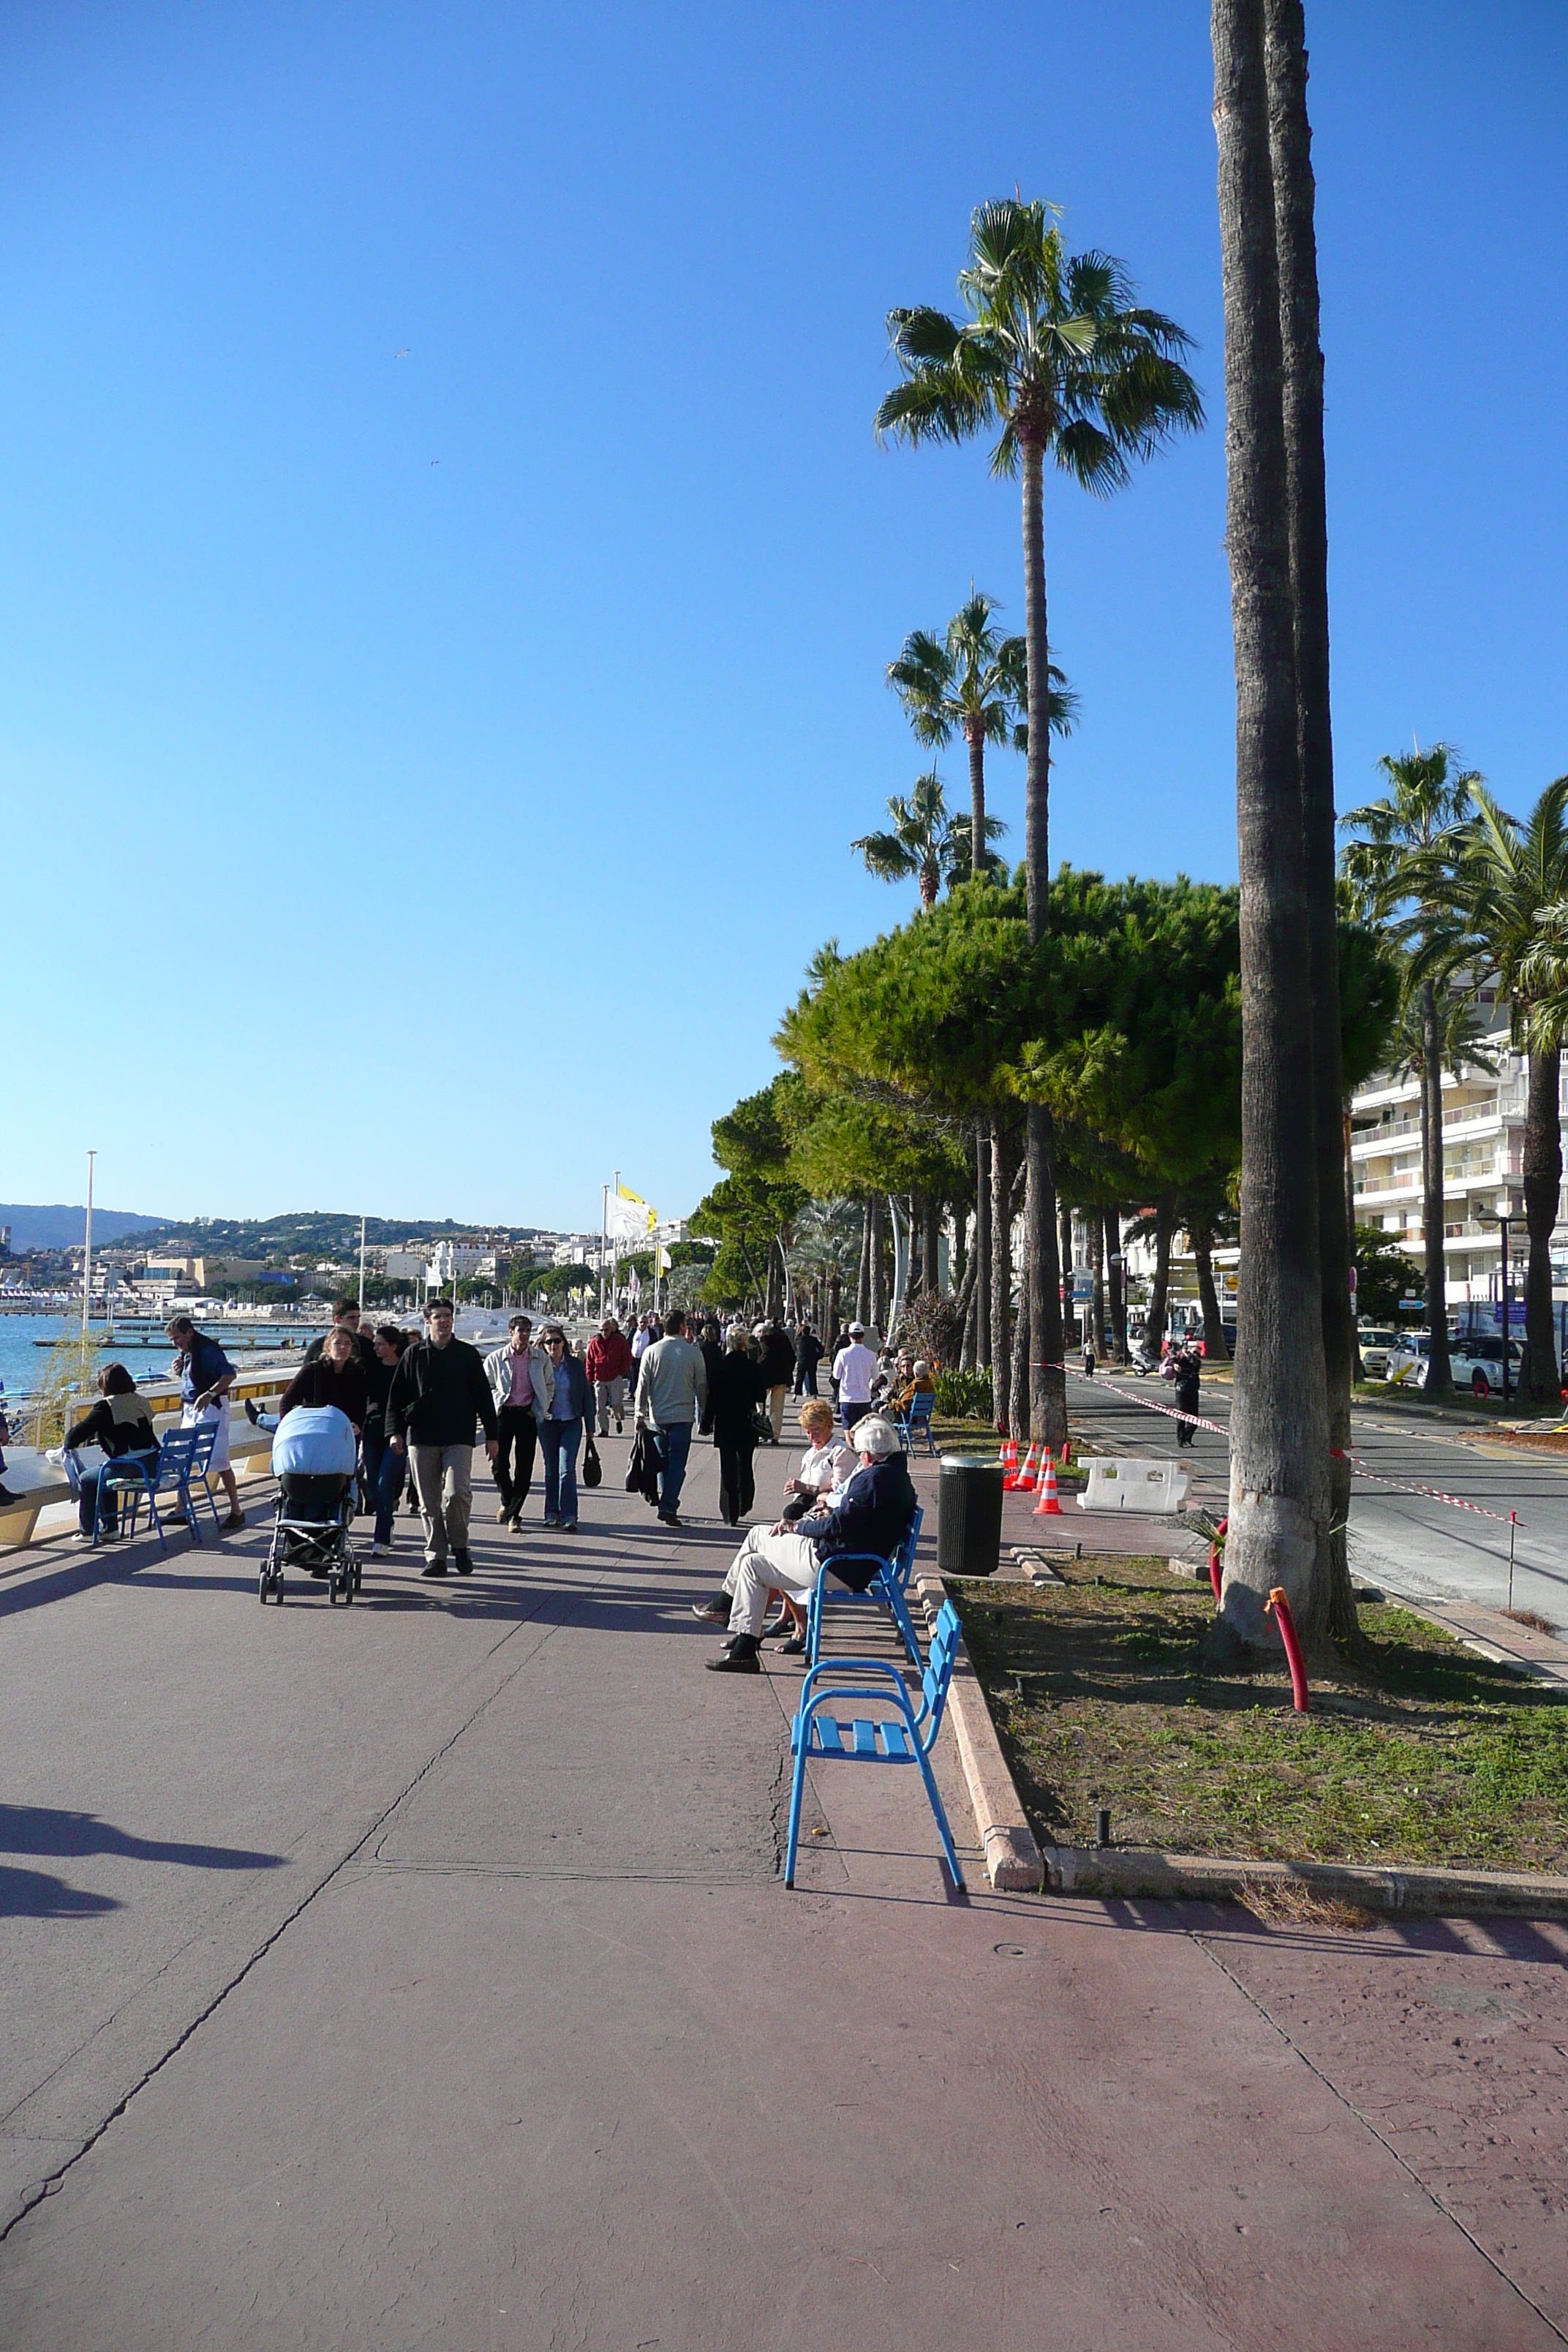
(1410,1543)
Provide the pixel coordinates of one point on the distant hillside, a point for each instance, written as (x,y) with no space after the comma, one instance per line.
(322,1232)
(59,1225)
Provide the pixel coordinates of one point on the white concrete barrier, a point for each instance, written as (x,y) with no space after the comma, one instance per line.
(1119,1483)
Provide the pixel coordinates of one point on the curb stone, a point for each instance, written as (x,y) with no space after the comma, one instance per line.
(1415,1892)
(1014,1863)
(1017,1864)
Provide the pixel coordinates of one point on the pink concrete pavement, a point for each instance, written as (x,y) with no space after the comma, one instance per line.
(551,2059)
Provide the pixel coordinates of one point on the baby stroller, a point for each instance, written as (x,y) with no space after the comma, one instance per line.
(313,1456)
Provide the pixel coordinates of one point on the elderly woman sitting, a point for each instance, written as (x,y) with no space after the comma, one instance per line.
(870,1516)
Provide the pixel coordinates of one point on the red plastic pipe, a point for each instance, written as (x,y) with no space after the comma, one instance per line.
(1281,1608)
(1214,1559)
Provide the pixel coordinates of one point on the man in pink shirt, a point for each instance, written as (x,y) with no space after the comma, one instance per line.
(521,1384)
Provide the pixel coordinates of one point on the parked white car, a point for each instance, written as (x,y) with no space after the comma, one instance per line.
(1374,1347)
(1407,1362)
(1477,1364)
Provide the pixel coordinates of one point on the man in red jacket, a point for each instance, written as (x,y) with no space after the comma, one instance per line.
(608,1361)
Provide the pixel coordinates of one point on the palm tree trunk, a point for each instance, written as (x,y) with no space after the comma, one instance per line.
(1280,1431)
(969,1355)
(974,738)
(1349,1174)
(1118,1286)
(1158,1289)
(1440,1380)
(863,1278)
(1064,1254)
(1291,144)
(1097,1297)
(982,1243)
(1001,1267)
(930,1242)
(1018,1395)
(878,1220)
(1047,1387)
(1216,1350)
(1543,1183)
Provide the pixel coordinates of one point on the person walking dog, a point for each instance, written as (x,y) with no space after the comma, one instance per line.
(437,1392)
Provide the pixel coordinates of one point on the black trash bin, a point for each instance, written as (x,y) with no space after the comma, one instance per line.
(969,1515)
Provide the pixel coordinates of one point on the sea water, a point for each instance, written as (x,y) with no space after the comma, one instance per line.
(22,1363)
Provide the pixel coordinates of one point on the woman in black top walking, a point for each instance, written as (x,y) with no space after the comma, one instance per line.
(739,1387)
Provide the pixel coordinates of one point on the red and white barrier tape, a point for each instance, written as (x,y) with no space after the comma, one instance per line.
(1433,1494)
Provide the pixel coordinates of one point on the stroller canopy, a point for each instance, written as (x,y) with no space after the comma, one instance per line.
(314,1440)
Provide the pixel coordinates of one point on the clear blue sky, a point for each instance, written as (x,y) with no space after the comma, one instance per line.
(464,827)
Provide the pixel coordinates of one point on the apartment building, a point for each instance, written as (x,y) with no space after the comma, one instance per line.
(1483,1163)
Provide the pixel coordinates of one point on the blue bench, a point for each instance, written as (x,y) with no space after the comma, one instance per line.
(904,1736)
(915,1420)
(889,1587)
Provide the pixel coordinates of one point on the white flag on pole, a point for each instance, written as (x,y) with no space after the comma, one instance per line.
(627,1215)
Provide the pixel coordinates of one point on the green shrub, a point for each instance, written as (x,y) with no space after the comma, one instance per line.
(964,1396)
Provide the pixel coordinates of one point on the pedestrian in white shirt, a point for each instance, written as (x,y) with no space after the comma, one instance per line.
(855,1368)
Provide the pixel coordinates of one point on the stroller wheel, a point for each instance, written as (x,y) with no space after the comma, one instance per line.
(262,1582)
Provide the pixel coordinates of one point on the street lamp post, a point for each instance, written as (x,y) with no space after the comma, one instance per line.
(1509,1211)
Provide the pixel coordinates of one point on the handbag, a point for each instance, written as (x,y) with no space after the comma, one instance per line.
(592,1469)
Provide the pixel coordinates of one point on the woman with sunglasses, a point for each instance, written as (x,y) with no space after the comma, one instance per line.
(561,1430)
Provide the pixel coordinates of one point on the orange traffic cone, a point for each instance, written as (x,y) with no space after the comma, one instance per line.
(1049,1505)
(1027,1475)
(1009,1465)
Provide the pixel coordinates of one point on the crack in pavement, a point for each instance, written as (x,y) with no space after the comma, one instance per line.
(1262,2010)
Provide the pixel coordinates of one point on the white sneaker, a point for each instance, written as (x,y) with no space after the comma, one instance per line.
(379,1551)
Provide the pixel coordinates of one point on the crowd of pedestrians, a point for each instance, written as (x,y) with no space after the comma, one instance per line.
(419,1403)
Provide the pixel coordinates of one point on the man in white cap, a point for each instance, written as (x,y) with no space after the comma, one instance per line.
(855,1368)
(872,1514)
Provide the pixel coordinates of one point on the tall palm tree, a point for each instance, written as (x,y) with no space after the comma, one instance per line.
(1402,869)
(1295,199)
(1279,1493)
(921,841)
(1053,350)
(973,681)
(1507,890)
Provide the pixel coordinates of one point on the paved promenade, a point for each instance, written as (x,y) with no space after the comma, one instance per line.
(421,1975)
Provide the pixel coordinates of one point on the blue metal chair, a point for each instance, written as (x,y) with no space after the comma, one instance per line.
(205,1434)
(170,1472)
(915,1420)
(905,1736)
(889,1588)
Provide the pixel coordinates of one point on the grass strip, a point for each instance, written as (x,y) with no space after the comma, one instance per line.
(1421,1753)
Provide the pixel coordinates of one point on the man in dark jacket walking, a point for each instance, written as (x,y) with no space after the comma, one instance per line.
(438,1392)
(808,1356)
(777,1366)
